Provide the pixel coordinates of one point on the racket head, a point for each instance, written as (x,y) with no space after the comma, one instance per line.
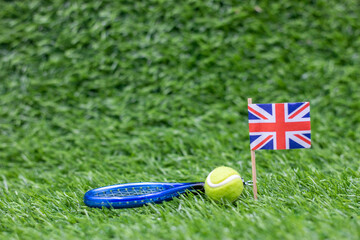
(137,194)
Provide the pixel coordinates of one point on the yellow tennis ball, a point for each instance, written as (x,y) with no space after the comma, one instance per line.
(223,183)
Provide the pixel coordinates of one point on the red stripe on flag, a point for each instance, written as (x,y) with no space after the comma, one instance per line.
(298,111)
(262,142)
(257,113)
(302,138)
(273,127)
(280,125)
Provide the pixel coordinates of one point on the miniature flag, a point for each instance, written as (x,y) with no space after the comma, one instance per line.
(279,126)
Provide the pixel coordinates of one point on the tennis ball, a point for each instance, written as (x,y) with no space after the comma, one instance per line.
(223,183)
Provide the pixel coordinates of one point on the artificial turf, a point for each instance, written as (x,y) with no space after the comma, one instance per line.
(94,93)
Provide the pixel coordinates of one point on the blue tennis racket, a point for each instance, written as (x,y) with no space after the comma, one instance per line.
(138,194)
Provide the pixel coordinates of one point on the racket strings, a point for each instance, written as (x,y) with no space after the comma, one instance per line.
(132,191)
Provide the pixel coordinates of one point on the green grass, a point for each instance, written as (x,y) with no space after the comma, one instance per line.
(106,92)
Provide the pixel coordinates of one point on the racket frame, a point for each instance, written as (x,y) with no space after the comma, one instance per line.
(108,196)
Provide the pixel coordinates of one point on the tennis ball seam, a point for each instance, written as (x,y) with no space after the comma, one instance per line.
(226,181)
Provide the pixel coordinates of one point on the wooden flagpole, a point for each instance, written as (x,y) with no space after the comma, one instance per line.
(253,165)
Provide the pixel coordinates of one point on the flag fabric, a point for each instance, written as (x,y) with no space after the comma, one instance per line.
(278,126)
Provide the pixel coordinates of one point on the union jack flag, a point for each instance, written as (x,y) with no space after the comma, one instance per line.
(279,126)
